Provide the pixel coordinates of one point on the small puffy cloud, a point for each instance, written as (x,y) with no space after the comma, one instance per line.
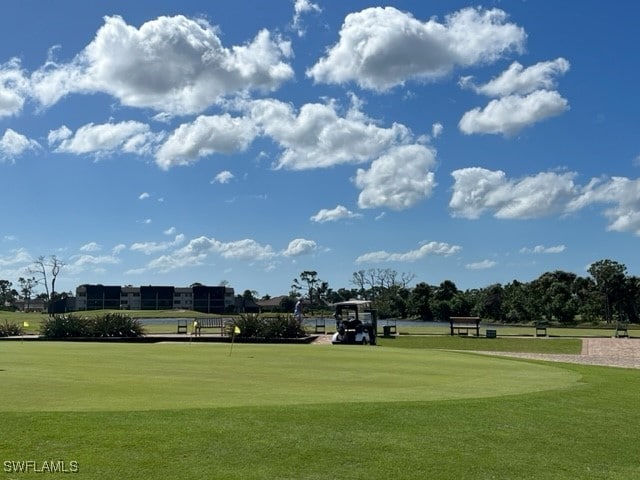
(509,115)
(380,48)
(16,257)
(525,96)
(173,64)
(104,139)
(203,137)
(543,249)
(436,130)
(333,215)
(91,247)
(14,88)
(14,145)
(477,190)
(300,246)
(223,177)
(482,265)
(302,7)
(519,80)
(623,196)
(149,248)
(319,137)
(397,180)
(427,249)
(79,261)
(143,196)
(170,231)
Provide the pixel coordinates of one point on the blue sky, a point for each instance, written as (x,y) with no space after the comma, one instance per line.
(177,142)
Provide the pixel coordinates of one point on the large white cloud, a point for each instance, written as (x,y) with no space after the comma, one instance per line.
(318,136)
(397,180)
(380,48)
(171,64)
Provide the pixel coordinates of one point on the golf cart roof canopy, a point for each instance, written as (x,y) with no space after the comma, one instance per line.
(353,304)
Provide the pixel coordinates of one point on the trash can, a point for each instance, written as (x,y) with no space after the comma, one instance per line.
(386,331)
(492,334)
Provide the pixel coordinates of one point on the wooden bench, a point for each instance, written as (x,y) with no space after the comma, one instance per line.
(182,325)
(621,330)
(541,329)
(217,323)
(462,325)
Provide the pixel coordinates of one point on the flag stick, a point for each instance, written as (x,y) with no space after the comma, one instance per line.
(235,330)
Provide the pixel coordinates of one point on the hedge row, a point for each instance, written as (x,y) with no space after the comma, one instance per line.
(109,325)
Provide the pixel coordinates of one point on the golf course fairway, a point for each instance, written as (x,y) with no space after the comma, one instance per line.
(61,376)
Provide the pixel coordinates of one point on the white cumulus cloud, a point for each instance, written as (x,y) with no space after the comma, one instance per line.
(334,214)
(477,190)
(14,145)
(205,136)
(398,179)
(509,115)
(300,246)
(171,64)
(380,48)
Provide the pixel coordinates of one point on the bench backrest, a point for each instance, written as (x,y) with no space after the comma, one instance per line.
(464,320)
(210,322)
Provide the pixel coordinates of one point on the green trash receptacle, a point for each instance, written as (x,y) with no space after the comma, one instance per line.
(386,331)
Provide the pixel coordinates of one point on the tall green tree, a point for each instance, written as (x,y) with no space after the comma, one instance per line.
(420,301)
(27,286)
(555,292)
(7,293)
(609,277)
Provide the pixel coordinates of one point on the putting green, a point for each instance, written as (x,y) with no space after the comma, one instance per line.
(61,376)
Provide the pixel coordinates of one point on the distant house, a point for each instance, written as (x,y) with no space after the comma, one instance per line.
(272,304)
(35,305)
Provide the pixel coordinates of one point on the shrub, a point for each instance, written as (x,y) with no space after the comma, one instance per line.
(65,326)
(10,329)
(117,325)
(250,325)
(109,325)
(282,326)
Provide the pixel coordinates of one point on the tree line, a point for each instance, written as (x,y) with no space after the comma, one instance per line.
(607,294)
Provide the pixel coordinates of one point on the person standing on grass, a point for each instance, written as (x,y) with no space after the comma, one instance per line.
(297,311)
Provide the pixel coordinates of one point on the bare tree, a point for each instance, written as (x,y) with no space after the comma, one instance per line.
(40,267)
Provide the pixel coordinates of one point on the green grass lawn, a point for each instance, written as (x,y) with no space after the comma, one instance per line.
(402,410)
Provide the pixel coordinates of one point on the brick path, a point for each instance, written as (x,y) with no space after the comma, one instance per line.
(610,352)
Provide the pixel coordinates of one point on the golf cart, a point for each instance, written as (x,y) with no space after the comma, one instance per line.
(356,323)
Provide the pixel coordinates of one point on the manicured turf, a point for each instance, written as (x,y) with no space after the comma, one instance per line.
(312,412)
(96,376)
